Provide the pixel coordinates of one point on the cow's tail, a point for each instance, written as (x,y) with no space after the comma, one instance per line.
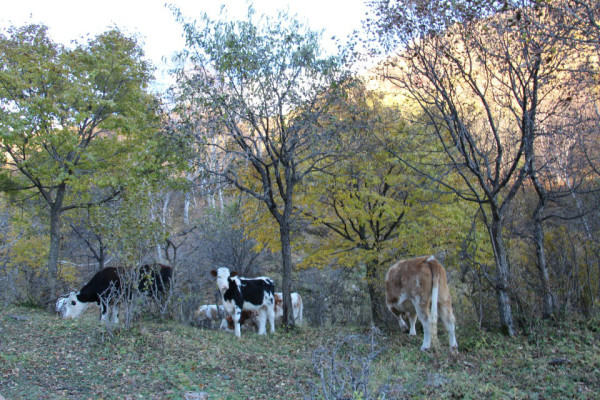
(435,290)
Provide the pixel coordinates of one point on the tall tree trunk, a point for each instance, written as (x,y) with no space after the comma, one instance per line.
(55,223)
(538,235)
(55,214)
(101,257)
(186,209)
(502,279)
(286,256)
(376,295)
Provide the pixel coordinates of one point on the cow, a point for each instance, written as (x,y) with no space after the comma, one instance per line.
(417,287)
(210,312)
(249,319)
(105,287)
(254,294)
(297,307)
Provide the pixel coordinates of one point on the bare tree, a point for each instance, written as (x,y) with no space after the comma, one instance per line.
(488,87)
(264,87)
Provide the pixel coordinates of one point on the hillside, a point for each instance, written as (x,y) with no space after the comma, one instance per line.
(43,357)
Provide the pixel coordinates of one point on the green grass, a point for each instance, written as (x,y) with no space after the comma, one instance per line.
(44,357)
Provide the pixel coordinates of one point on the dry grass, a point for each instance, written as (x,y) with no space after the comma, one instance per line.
(44,357)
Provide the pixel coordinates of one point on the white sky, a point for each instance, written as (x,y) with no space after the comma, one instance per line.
(161,35)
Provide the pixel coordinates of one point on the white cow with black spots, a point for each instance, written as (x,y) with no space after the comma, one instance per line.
(252,294)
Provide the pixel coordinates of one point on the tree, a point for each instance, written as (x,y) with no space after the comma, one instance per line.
(487,85)
(69,119)
(262,86)
(370,203)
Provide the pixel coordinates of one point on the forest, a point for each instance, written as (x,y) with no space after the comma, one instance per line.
(467,130)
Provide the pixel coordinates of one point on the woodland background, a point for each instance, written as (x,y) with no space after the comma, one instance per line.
(474,138)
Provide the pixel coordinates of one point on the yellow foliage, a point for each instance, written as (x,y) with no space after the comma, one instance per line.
(29,251)
(260,225)
(68,273)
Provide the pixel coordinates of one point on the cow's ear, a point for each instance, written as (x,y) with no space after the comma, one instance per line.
(234,273)
(213,273)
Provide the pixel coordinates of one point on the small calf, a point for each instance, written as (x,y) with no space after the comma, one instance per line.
(211,312)
(297,307)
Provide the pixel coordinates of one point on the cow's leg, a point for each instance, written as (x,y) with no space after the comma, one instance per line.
(423,314)
(103,311)
(237,314)
(262,321)
(115,314)
(271,316)
(412,318)
(223,326)
(449,322)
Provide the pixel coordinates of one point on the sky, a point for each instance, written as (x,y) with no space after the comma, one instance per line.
(160,35)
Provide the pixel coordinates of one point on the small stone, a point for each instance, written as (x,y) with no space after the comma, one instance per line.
(195,396)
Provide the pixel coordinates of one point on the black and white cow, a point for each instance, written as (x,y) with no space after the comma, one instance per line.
(105,287)
(253,294)
(249,319)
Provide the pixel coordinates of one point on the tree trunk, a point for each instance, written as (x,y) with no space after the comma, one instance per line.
(376,287)
(501,284)
(186,209)
(538,235)
(55,220)
(101,257)
(55,223)
(286,257)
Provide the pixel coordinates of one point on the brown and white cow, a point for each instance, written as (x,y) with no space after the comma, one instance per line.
(418,287)
(248,321)
(297,307)
(210,312)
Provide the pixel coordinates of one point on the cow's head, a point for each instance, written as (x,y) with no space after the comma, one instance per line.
(70,306)
(223,275)
(61,304)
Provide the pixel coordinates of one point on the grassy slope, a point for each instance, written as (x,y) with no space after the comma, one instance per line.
(43,357)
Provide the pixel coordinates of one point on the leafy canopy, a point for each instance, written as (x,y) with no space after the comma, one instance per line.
(71,117)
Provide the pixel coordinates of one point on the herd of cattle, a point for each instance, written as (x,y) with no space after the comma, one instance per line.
(415,288)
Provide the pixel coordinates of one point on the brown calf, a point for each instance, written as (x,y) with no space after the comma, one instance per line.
(248,320)
(297,307)
(418,287)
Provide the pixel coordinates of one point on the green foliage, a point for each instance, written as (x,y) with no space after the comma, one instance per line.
(253,95)
(78,126)
(127,227)
(72,116)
